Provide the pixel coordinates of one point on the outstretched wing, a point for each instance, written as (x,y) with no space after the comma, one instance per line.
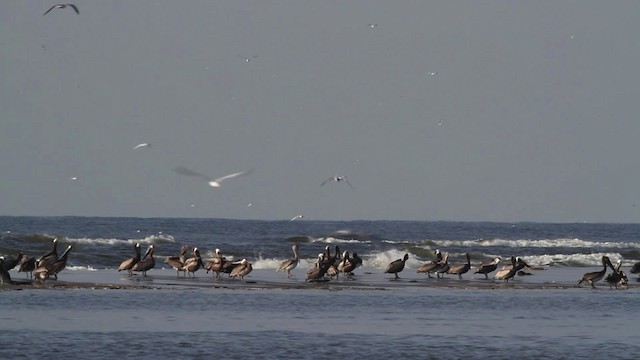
(51,8)
(241,173)
(324,182)
(184,171)
(74,8)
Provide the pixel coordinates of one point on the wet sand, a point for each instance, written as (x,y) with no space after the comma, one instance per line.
(364,279)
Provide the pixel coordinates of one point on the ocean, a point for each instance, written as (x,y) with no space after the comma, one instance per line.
(370,315)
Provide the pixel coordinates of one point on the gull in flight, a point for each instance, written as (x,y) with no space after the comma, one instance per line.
(74,178)
(300,216)
(143,145)
(338,179)
(212,182)
(62,6)
(247,59)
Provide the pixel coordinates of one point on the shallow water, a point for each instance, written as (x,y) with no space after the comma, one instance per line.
(306,323)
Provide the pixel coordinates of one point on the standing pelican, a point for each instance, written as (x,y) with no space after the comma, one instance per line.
(290,264)
(50,257)
(618,277)
(147,263)
(429,267)
(128,263)
(460,269)
(317,272)
(27,265)
(592,277)
(193,264)
(396,266)
(4,274)
(507,272)
(216,264)
(241,270)
(635,268)
(44,272)
(487,267)
(178,262)
(443,266)
(10,264)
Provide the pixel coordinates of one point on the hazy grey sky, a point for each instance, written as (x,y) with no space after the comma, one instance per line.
(531,115)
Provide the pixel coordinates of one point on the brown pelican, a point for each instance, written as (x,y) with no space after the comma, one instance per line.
(592,277)
(338,179)
(356,260)
(27,265)
(44,272)
(178,262)
(507,272)
(460,269)
(442,266)
(4,274)
(128,264)
(10,264)
(487,267)
(241,270)
(317,272)
(290,264)
(429,267)
(193,264)
(147,263)
(216,264)
(50,257)
(62,6)
(635,268)
(347,265)
(618,277)
(396,266)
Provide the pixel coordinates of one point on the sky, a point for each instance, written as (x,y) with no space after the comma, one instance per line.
(432,110)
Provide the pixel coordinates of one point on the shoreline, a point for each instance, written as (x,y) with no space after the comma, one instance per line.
(368,279)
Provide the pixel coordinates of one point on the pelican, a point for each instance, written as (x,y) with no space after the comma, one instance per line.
(429,267)
(592,277)
(507,272)
(193,264)
(618,277)
(635,268)
(396,266)
(178,262)
(10,264)
(44,272)
(338,179)
(50,257)
(147,263)
(27,265)
(317,272)
(443,266)
(216,264)
(212,182)
(128,263)
(487,267)
(460,269)
(62,6)
(4,274)
(241,270)
(290,264)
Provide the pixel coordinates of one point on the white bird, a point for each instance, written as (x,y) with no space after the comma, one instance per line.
(338,179)
(247,59)
(143,145)
(62,6)
(212,182)
(300,216)
(372,25)
(74,178)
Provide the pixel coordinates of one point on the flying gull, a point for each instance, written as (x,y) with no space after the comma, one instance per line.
(247,59)
(212,182)
(297,217)
(338,179)
(62,6)
(142,146)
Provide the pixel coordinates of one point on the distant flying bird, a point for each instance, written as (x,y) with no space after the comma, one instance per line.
(212,182)
(74,178)
(300,216)
(62,6)
(141,146)
(338,179)
(247,59)
(372,25)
